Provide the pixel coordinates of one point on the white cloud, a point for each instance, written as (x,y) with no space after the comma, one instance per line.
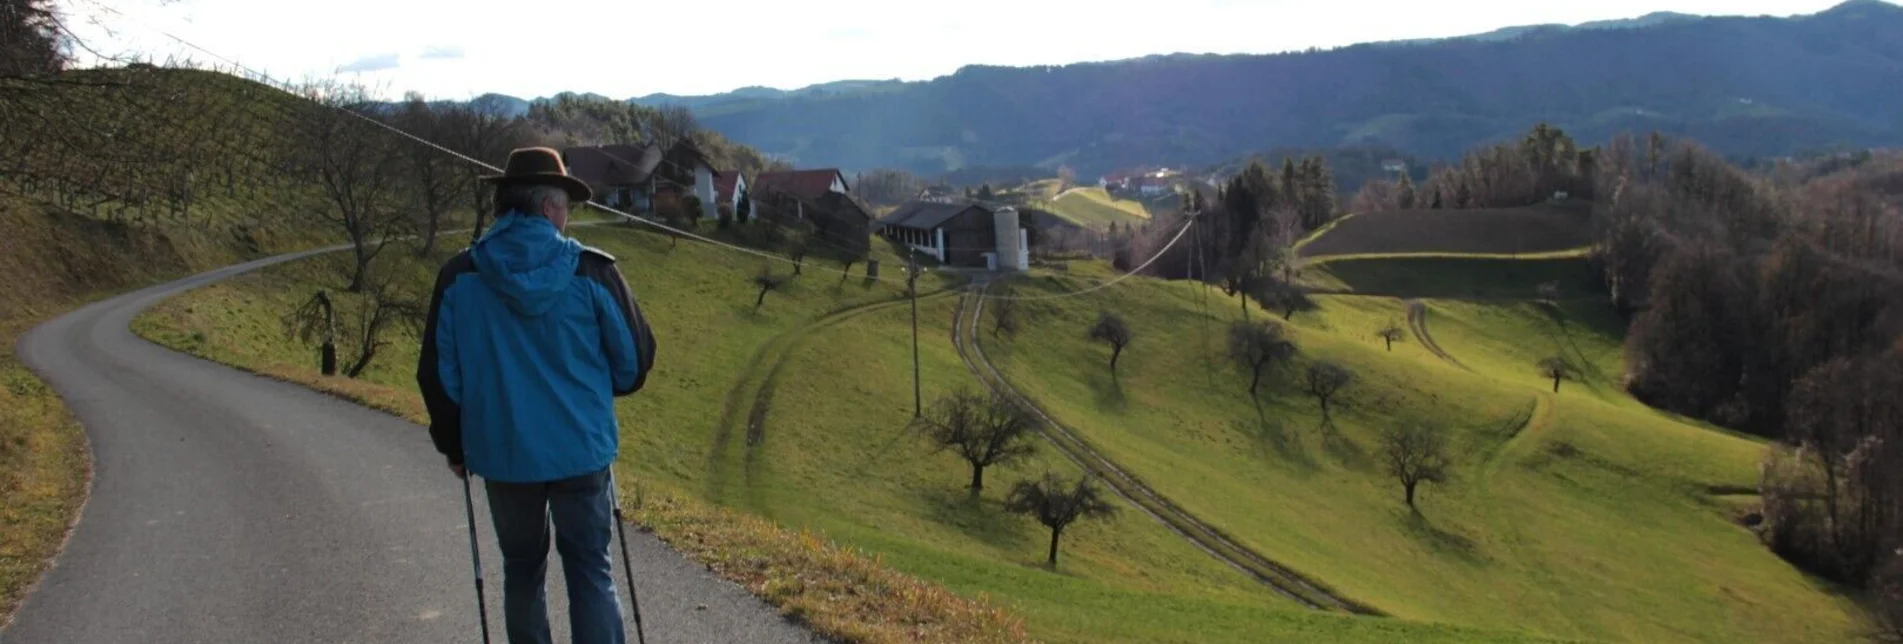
(620,48)
(376,63)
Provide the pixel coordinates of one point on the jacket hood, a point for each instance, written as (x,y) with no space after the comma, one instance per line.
(527,262)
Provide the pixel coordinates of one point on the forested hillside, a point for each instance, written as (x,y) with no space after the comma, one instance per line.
(1743,86)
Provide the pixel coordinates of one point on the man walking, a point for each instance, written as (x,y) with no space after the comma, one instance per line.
(530,337)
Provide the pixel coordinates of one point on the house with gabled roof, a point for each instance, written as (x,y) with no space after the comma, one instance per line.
(820,198)
(631,177)
(729,187)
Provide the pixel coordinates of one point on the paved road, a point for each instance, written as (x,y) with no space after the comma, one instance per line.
(231,508)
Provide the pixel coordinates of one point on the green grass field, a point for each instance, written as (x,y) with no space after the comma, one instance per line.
(1582,515)
(835,454)
(1094,208)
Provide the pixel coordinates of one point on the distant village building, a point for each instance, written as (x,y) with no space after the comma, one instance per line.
(729,187)
(820,197)
(634,177)
(1394,166)
(961,234)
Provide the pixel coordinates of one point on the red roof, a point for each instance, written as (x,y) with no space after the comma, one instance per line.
(724,183)
(805,184)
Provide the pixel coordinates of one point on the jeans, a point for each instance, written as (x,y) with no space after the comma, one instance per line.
(584,525)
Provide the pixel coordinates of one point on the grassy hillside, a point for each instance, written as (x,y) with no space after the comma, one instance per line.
(1500,231)
(1577,515)
(132,177)
(1094,208)
(122,179)
(803,418)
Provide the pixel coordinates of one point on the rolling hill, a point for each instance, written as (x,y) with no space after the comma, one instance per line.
(1581,515)
(1748,86)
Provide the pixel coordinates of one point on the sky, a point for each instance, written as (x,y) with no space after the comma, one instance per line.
(626,48)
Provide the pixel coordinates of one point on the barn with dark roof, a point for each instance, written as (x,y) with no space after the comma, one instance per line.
(957,234)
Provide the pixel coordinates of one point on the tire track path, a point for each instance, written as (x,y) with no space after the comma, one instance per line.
(1310,593)
(1417,323)
(752,393)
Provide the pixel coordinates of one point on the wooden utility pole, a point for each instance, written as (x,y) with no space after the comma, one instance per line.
(911,288)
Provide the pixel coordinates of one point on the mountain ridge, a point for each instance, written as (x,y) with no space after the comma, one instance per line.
(1748,86)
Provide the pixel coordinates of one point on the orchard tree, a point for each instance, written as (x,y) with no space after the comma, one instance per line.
(766,281)
(1257,347)
(1058,503)
(331,144)
(1112,330)
(1005,316)
(983,430)
(1391,332)
(1324,380)
(1414,455)
(1558,369)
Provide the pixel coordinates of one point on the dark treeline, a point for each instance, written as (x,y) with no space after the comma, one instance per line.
(1542,164)
(572,119)
(1245,236)
(1769,301)
(1772,305)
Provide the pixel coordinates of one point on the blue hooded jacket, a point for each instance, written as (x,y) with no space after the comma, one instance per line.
(532,337)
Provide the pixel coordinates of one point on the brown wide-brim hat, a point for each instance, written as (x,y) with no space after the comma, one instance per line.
(541,166)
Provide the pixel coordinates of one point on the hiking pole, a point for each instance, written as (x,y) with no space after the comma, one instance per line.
(627,564)
(482,606)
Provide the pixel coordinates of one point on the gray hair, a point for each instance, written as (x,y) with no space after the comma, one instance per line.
(526,198)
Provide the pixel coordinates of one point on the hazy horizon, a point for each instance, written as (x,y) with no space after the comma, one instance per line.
(462,50)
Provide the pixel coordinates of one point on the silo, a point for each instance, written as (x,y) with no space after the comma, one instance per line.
(1006,222)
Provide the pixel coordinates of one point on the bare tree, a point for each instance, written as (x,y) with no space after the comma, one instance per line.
(1058,503)
(1112,330)
(766,281)
(315,322)
(983,430)
(387,305)
(1285,296)
(1391,332)
(1557,368)
(32,32)
(1416,455)
(433,177)
(1323,380)
(1004,315)
(669,125)
(354,165)
(1256,347)
(481,130)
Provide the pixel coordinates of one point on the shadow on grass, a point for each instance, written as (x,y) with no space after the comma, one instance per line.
(1344,449)
(1272,434)
(981,518)
(1109,391)
(1441,541)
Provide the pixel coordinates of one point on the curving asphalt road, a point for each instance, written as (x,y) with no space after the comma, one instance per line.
(226,507)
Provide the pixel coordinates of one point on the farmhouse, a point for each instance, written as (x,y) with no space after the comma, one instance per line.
(685,170)
(966,235)
(819,197)
(619,174)
(637,177)
(729,187)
